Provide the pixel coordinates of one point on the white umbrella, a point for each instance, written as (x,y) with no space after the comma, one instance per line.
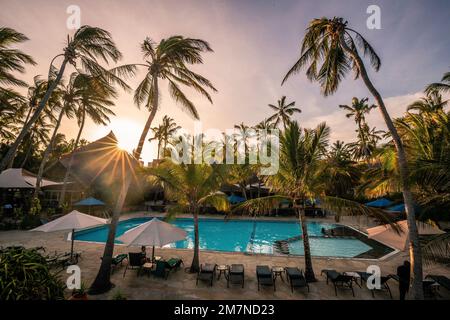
(387,235)
(71,221)
(153,233)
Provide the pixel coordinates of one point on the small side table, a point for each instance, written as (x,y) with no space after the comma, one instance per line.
(222,268)
(277,272)
(147,267)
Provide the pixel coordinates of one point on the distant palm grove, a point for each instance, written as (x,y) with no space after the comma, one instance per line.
(408,163)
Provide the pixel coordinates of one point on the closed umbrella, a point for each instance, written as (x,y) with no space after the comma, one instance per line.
(71,221)
(387,235)
(379,203)
(153,233)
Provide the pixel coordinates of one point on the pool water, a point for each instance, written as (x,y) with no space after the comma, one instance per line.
(252,236)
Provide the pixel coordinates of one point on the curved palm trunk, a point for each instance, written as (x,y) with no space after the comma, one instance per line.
(195,266)
(102,282)
(414,245)
(66,177)
(27,155)
(27,126)
(309,271)
(47,154)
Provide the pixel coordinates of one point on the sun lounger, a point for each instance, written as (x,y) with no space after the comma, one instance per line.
(383,282)
(135,261)
(339,280)
(235,275)
(443,281)
(173,263)
(296,278)
(207,273)
(265,277)
(117,260)
(161,270)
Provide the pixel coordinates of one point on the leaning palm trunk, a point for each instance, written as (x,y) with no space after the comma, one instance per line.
(309,271)
(69,166)
(47,154)
(102,282)
(414,245)
(27,126)
(195,266)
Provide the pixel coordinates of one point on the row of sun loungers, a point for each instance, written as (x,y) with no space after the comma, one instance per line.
(266,277)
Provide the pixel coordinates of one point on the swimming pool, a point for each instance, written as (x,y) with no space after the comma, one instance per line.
(251,236)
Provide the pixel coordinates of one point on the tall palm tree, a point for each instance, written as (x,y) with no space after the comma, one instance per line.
(69,96)
(95,100)
(302,176)
(192,186)
(442,87)
(329,51)
(283,112)
(169,60)
(82,50)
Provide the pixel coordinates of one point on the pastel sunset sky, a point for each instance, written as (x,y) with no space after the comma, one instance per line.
(255,42)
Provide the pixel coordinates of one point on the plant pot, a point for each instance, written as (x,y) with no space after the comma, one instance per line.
(83,296)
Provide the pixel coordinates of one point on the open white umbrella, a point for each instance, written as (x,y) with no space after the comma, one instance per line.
(71,221)
(387,235)
(153,233)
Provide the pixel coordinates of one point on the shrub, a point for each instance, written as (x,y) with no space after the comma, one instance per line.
(30,222)
(35,206)
(25,275)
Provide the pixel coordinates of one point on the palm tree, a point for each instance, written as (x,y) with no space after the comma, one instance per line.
(430,105)
(157,135)
(331,43)
(95,100)
(340,173)
(442,87)
(266,124)
(358,110)
(10,108)
(12,60)
(283,112)
(82,50)
(163,133)
(69,96)
(192,186)
(169,60)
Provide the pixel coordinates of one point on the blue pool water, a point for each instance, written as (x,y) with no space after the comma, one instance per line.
(244,236)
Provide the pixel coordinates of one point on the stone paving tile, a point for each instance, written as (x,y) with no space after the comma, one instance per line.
(181,285)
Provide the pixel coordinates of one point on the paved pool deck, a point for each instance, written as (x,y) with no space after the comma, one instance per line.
(181,285)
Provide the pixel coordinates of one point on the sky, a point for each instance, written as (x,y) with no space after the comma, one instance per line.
(255,42)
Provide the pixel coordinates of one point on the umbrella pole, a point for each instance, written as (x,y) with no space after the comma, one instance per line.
(153,254)
(71,248)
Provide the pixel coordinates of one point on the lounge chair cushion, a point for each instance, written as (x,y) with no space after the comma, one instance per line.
(236,269)
(263,271)
(119,258)
(293,272)
(208,268)
(173,262)
(442,280)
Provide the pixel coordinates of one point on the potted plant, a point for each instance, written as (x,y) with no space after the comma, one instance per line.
(118,295)
(79,294)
